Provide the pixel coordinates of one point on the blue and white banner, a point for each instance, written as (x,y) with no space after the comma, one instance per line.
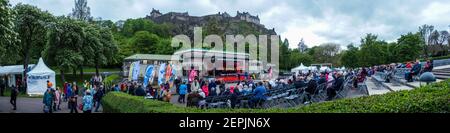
(136,70)
(161,74)
(148,75)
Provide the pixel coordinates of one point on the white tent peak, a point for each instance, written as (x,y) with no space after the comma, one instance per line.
(41,67)
(38,77)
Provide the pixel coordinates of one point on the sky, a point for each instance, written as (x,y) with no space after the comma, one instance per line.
(316,21)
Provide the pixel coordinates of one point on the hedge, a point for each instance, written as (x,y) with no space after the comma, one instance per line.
(434,98)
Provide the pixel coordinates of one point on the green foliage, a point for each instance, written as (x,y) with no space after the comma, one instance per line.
(8,35)
(31,24)
(349,58)
(428,99)
(64,44)
(409,47)
(375,52)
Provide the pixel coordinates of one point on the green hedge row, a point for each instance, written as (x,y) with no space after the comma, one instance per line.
(433,98)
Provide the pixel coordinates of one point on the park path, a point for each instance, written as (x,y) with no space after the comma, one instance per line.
(31,105)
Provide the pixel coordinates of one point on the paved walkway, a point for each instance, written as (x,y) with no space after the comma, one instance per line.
(31,105)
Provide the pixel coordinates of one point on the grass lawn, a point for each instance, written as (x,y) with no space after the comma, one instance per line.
(71,78)
(7,93)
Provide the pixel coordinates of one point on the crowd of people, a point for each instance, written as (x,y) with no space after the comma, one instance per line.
(412,69)
(91,94)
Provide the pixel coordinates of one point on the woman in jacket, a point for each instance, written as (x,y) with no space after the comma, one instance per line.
(87,102)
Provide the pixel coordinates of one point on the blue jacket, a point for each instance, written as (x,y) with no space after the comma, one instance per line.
(87,102)
(69,90)
(183,89)
(259,92)
(48,99)
(416,68)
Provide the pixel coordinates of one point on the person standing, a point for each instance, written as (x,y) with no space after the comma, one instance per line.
(182,92)
(14,93)
(48,101)
(87,102)
(2,86)
(99,95)
(57,99)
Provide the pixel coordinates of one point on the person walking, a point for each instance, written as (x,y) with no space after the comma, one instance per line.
(87,102)
(14,93)
(48,101)
(99,96)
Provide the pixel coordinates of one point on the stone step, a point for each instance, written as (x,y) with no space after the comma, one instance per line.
(441,73)
(442,77)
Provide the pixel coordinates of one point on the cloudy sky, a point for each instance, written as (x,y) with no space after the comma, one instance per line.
(316,21)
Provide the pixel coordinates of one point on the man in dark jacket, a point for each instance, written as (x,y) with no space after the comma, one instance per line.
(299,83)
(337,86)
(322,79)
(2,86)
(140,91)
(415,70)
(14,93)
(98,97)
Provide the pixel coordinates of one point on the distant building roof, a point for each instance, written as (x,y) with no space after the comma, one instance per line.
(150,57)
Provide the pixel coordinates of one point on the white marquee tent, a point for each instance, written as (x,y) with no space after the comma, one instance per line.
(299,68)
(37,79)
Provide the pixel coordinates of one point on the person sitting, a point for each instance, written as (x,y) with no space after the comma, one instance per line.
(310,90)
(139,91)
(337,86)
(299,83)
(202,102)
(258,95)
(322,79)
(428,67)
(166,95)
(414,71)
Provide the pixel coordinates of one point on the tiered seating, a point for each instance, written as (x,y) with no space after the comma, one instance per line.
(284,96)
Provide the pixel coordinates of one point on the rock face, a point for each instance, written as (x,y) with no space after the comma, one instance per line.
(220,23)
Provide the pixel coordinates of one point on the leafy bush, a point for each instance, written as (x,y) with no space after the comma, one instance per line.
(433,98)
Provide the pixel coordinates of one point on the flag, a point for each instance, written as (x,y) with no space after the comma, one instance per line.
(130,72)
(168,72)
(148,75)
(136,70)
(162,70)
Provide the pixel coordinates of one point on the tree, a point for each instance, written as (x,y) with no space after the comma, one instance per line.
(105,50)
(81,11)
(31,23)
(408,47)
(296,58)
(145,42)
(8,36)
(372,51)
(444,36)
(350,57)
(63,48)
(285,55)
(326,53)
(425,32)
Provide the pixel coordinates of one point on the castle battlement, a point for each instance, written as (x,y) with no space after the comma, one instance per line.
(244,16)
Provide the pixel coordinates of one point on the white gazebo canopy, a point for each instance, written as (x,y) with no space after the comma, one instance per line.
(38,77)
(300,68)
